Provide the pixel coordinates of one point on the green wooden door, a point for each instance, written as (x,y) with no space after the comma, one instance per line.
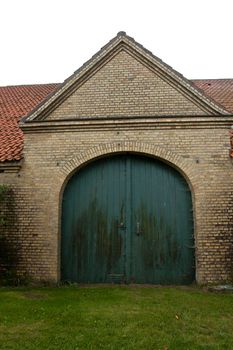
(93,245)
(162,228)
(128,219)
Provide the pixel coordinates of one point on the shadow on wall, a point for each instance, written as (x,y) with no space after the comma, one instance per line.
(9,247)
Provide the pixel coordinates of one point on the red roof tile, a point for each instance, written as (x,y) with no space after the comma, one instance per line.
(18,101)
(220,90)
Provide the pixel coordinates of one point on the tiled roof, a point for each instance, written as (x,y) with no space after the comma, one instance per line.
(18,101)
(220,90)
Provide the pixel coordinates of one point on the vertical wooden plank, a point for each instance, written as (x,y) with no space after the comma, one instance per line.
(128,206)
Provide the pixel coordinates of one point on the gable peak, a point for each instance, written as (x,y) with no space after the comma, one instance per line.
(124,42)
(121,33)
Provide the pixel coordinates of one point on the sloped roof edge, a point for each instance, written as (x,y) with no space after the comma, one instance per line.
(123,38)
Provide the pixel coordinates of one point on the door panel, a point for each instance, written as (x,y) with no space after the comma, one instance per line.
(161,240)
(92,234)
(127,218)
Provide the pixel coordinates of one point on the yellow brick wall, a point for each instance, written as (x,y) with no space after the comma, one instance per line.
(124,88)
(202,155)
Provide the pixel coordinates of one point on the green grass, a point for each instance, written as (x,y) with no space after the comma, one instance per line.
(115,318)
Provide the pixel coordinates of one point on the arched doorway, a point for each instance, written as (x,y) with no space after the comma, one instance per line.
(127,218)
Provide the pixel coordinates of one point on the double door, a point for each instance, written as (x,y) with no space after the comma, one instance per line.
(127,219)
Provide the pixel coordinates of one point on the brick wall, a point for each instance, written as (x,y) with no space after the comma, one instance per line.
(125,88)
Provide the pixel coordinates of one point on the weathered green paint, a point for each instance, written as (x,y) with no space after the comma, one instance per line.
(127,218)
(162,219)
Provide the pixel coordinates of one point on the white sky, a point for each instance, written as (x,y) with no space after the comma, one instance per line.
(45,41)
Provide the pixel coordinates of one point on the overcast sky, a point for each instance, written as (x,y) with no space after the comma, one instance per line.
(45,41)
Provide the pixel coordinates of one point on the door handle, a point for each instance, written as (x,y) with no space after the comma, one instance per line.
(121,225)
(138,229)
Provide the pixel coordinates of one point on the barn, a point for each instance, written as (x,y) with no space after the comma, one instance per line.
(120,174)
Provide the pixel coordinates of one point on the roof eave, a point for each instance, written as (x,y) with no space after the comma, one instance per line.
(11,166)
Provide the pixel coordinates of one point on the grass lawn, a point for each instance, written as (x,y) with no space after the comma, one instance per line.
(115,318)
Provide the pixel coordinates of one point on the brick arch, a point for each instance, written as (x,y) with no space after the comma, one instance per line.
(184,166)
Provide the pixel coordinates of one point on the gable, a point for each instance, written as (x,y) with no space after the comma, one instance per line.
(122,80)
(125,87)
(125,79)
